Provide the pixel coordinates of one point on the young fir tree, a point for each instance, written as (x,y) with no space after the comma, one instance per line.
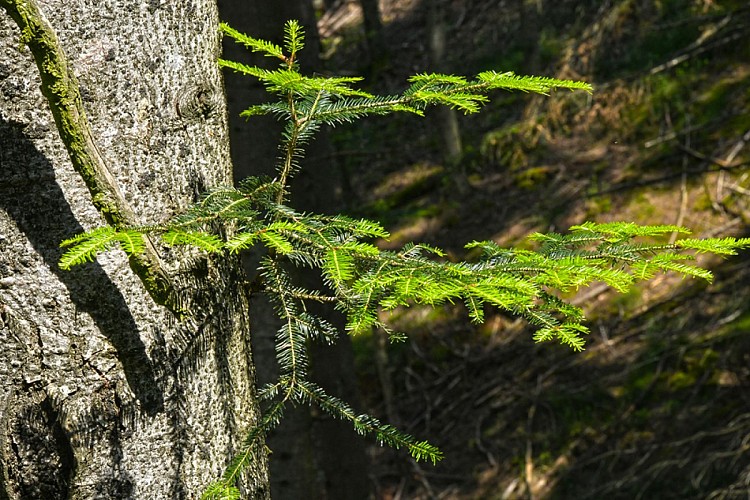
(362,280)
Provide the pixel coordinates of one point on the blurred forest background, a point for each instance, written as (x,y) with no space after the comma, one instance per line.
(658,406)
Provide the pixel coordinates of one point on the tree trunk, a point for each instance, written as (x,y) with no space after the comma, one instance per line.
(104,394)
(446,119)
(529,15)
(373,28)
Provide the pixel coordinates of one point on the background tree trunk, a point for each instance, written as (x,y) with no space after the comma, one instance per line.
(446,119)
(373,29)
(103,394)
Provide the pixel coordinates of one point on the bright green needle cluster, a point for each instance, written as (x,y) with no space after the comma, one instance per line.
(362,280)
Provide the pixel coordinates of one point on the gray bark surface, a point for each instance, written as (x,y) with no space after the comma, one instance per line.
(104,394)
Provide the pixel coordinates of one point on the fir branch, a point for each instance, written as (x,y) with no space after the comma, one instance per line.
(347,110)
(294,37)
(568,334)
(290,339)
(278,109)
(723,246)
(669,262)
(619,231)
(338,266)
(86,246)
(205,241)
(276,242)
(131,242)
(241,241)
(267,48)
(538,84)
(363,280)
(362,308)
(475,306)
(365,424)
(221,491)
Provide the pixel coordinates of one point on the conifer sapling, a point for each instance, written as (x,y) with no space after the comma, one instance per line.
(361,279)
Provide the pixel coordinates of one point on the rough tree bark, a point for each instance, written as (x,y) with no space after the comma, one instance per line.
(104,394)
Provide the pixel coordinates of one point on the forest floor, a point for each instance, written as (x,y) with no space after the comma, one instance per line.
(658,406)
